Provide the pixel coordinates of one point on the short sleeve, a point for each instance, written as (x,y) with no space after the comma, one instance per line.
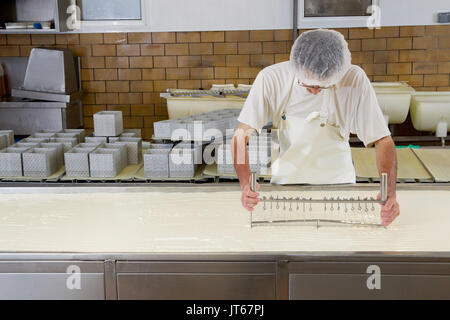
(369,123)
(256,110)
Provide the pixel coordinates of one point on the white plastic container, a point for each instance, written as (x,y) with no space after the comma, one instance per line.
(394,99)
(430,111)
(178,107)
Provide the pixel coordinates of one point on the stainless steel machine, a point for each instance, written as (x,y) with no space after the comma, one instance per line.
(43,92)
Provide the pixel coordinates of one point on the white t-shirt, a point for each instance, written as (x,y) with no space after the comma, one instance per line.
(352,104)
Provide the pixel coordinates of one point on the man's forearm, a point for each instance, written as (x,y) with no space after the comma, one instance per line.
(243,173)
(241,160)
(387,162)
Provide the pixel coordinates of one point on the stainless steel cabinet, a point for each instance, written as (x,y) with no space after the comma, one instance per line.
(347,280)
(196,280)
(196,277)
(51,280)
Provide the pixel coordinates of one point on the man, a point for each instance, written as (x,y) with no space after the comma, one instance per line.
(316,100)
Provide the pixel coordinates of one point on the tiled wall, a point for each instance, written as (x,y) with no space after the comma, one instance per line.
(127,71)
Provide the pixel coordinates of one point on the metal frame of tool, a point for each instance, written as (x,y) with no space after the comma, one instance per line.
(301,203)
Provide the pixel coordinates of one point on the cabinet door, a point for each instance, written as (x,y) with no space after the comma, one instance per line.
(196,280)
(349,281)
(25,280)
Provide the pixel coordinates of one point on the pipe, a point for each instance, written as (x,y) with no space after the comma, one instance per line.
(295,20)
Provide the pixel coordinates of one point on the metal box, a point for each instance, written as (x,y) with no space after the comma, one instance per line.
(3,141)
(68,143)
(50,70)
(97,140)
(27,145)
(10,135)
(59,151)
(122,152)
(37,111)
(39,162)
(11,162)
(108,123)
(134,148)
(156,163)
(104,163)
(77,162)
(184,160)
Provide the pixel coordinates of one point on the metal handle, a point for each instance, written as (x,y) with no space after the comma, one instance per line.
(253,181)
(253,188)
(384,183)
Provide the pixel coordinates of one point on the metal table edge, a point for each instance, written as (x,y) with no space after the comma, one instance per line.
(432,256)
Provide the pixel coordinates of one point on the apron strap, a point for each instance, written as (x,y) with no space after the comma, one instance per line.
(288,99)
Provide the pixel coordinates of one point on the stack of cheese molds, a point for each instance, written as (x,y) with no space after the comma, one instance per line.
(108,129)
(198,127)
(156,160)
(259,150)
(108,160)
(169,161)
(77,161)
(184,160)
(11,162)
(40,162)
(45,152)
(10,157)
(36,156)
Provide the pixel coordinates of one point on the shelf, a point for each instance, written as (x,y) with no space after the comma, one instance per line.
(34,11)
(24,31)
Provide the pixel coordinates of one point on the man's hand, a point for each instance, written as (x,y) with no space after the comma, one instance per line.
(249,198)
(389,211)
(387,163)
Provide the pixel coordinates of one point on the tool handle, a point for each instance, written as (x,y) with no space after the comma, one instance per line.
(383,186)
(253,181)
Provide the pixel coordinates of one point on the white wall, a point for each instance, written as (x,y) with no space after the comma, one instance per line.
(189,15)
(412,12)
(200,15)
(206,15)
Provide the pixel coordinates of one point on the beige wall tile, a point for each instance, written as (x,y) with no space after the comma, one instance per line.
(115,38)
(163,37)
(91,38)
(140,37)
(186,37)
(126,50)
(153,74)
(141,62)
(105,74)
(116,62)
(152,50)
(213,36)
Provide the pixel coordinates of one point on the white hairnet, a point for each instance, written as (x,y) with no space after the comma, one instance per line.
(320,57)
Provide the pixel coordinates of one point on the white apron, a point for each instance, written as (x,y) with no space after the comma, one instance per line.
(312,151)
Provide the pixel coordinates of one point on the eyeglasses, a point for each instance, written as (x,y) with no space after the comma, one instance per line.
(312,87)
